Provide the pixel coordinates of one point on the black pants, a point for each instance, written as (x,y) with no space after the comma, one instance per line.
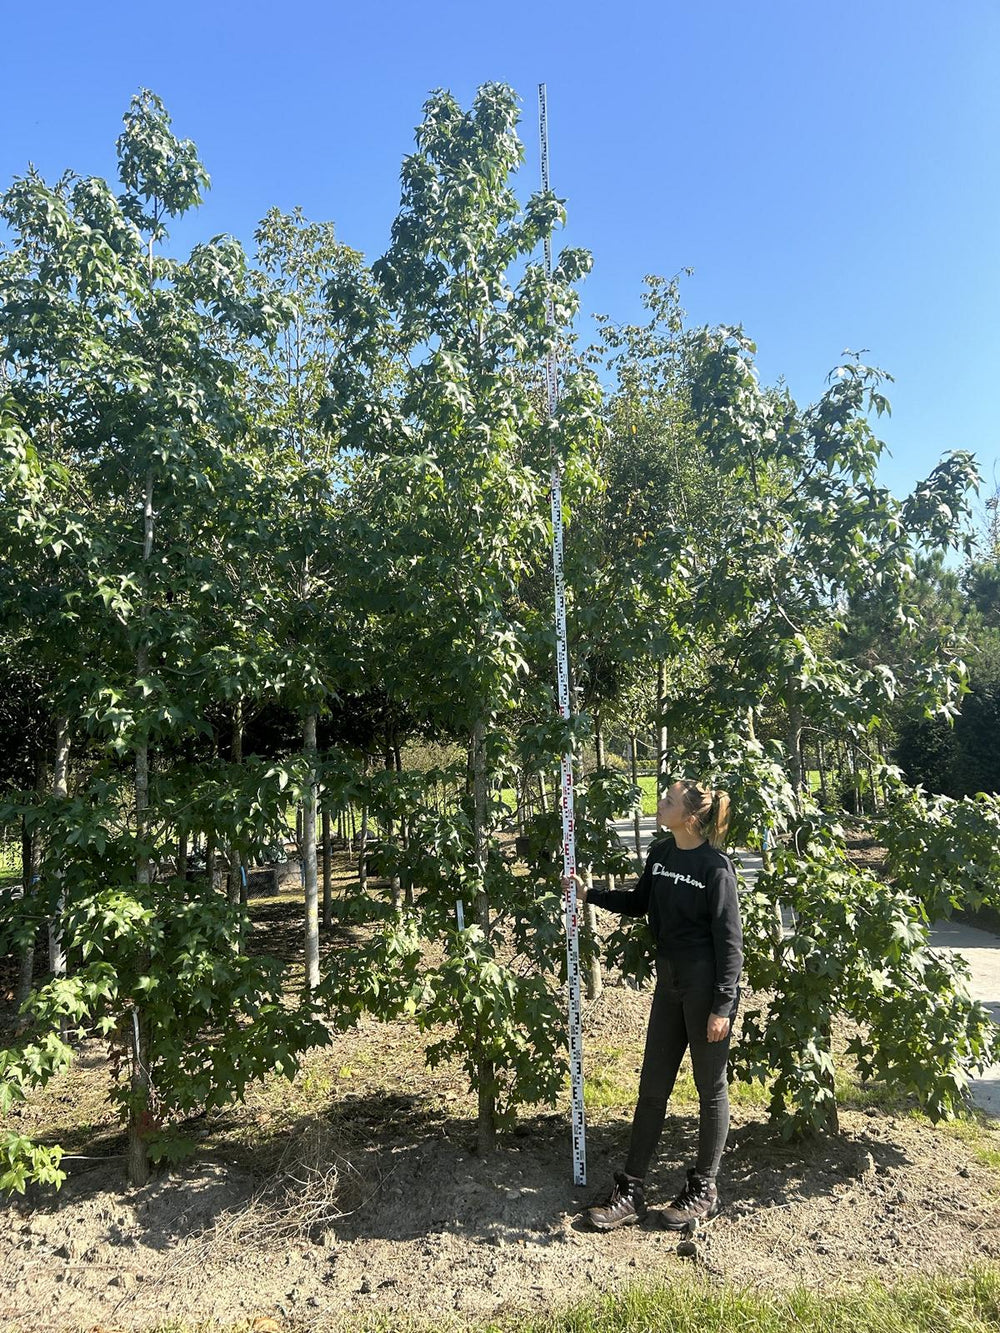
(682,1002)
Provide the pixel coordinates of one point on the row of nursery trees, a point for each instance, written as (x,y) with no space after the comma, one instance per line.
(262,522)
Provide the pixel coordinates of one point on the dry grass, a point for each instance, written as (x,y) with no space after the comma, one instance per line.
(314,1186)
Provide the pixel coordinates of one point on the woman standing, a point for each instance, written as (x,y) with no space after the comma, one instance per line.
(688,892)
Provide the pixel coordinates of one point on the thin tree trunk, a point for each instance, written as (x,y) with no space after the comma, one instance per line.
(30,848)
(599,754)
(824,790)
(542,793)
(236,757)
(309,855)
(486,1128)
(137,1167)
(406,882)
(390,824)
(327,872)
(140,1080)
(795,748)
(60,790)
(661,730)
(871,782)
(363,837)
(832,1117)
(838,764)
(852,758)
(594,982)
(363,848)
(778,927)
(633,746)
(182,853)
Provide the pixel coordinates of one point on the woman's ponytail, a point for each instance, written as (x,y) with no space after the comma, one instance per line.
(717,825)
(711,808)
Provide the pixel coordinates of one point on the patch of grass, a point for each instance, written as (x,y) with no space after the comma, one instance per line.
(853,1095)
(970,1304)
(611,1078)
(754,1094)
(977,1130)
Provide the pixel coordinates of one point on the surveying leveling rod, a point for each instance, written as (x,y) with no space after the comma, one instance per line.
(562,676)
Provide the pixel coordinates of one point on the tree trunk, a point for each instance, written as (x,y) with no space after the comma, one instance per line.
(824,790)
(601,758)
(60,790)
(486,1126)
(140,1080)
(406,882)
(363,848)
(870,768)
(832,1121)
(30,847)
(795,748)
(309,855)
(778,927)
(235,860)
(327,872)
(594,982)
(852,759)
(182,853)
(542,793)
(137,1167)
(633,746)
(390,824)
(661,738)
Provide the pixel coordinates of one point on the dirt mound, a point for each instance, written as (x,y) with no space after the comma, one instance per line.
(425,1227)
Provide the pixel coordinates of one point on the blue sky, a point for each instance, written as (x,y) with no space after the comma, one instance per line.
(830,171)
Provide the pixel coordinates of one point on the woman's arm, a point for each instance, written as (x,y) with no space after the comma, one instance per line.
(727,936)
(626,902)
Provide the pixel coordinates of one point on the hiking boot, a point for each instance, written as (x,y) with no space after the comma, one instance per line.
(625,1206)
(697,1202)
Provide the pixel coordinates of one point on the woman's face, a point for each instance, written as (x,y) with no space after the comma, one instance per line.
(671,810)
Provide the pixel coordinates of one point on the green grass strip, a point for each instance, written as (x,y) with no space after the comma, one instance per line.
(969,1305)
(691,1304)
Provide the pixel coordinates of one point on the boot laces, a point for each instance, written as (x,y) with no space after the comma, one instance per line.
(622,1190)
(694,1191)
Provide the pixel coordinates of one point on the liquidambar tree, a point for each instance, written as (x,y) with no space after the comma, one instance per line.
(121,475)
(454,486)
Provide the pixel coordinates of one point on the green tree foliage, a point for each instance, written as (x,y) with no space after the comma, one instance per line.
(796,531)
(453,483)
(121,483)
(312,499)
(961,756)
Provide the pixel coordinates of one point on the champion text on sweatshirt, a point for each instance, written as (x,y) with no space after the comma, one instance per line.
(690,899)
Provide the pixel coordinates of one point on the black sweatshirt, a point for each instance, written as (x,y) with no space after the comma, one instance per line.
(691,902)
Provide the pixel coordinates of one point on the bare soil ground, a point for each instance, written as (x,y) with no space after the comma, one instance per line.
(353,1195)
